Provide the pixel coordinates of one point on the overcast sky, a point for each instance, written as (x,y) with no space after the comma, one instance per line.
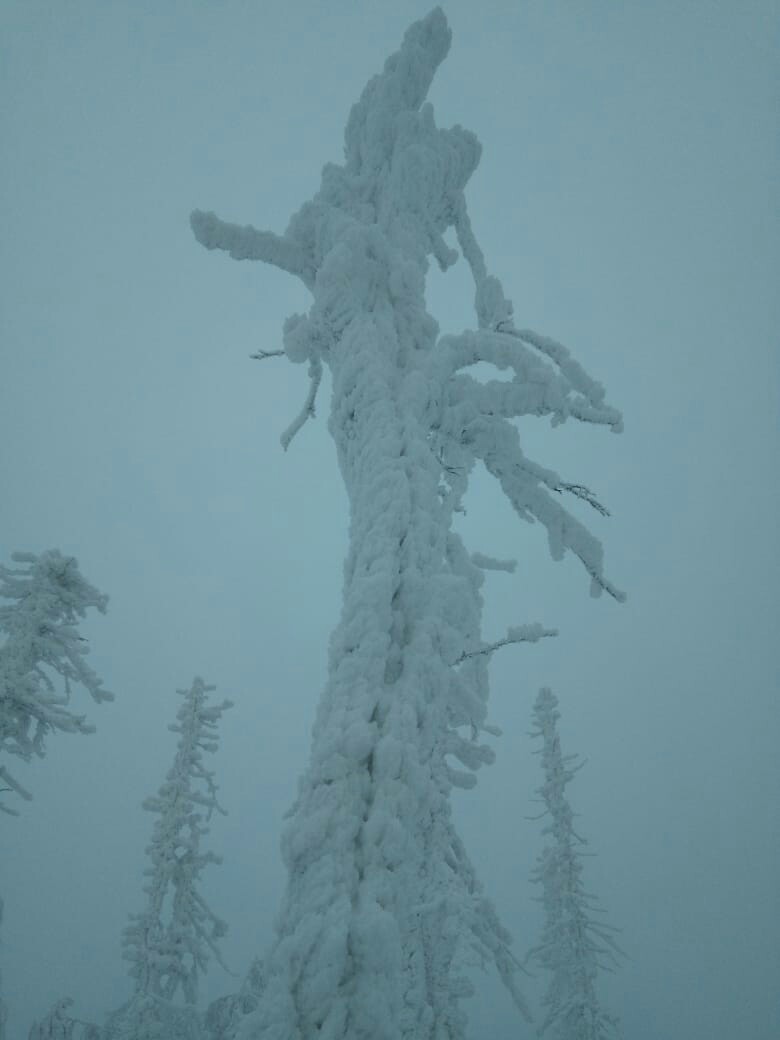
(628,198)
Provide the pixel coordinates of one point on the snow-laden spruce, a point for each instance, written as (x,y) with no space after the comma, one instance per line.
(3,1006)
(59,1024)
(169,944)
(48,596)
(575,944)
(383,912)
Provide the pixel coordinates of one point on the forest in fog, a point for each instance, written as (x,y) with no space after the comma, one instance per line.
(465,728)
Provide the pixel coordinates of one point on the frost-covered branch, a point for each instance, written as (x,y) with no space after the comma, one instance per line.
(247,243)
(576,375)
(263,355)
(307,412)
(490,563)
(49,596)
(517,634)
(497,443)
(560,389)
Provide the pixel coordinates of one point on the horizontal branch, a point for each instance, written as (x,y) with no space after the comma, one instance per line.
(262,355)
(518,634)
(247,243)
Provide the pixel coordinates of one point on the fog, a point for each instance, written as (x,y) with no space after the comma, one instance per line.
(627,197)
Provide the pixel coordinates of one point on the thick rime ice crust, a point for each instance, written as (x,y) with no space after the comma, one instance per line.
(383,911)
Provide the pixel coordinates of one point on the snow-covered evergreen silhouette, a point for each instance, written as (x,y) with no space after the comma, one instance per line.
(60,1025)
(48,596)
(383,909)
(225,1013)
(575,945)
(170,942)
(3,1006)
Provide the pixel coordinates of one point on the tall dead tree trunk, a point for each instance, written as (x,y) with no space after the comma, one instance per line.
(382,904)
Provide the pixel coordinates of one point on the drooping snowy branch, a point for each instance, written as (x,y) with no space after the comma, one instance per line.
(497,443)
(574,945)
(307,412)
(490,563)
(170,942)
(48,597)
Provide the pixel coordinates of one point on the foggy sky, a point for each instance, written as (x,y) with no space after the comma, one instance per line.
(627,197)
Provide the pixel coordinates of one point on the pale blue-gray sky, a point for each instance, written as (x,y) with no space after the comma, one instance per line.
(628,198)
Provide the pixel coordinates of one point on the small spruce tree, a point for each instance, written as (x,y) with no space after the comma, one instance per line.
(574,946)
(60,1025)
(169,942)
(48,596)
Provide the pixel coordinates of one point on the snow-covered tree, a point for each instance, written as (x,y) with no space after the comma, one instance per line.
(3,1008)
(575,944)
(169,943)
(48,597)
(224,1013)
(383,910)
(60,1025)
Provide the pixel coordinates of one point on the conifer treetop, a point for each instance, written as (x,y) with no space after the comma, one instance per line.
(576,945)
(48,597)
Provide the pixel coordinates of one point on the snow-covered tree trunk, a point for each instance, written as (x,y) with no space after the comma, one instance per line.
(382,904)
(575,945)
(169,943)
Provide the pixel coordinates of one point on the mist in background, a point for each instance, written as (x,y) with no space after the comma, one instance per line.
(628,199)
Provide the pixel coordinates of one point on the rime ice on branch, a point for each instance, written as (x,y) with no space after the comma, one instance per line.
(575,944)
(48,597)
(169,943)
(383,911)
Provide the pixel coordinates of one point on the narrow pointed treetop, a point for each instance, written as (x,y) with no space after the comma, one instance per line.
(383,914)
(170,942)
(3,1007)
(576,945)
